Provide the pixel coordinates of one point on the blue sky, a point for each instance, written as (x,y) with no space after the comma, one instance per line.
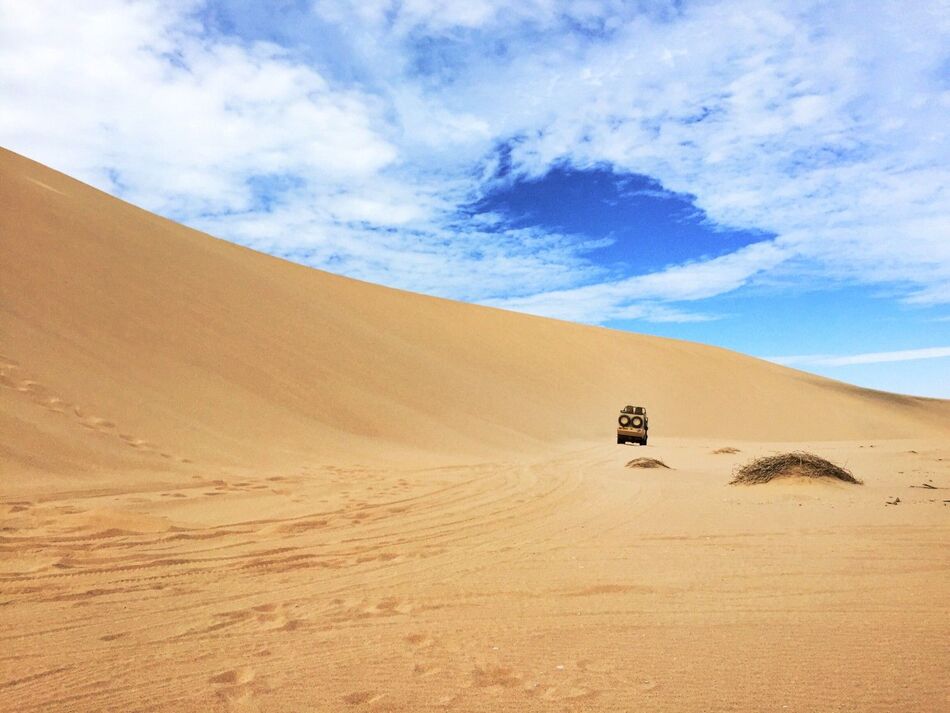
(770,177)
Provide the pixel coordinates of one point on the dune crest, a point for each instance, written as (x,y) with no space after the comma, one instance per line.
(132,343)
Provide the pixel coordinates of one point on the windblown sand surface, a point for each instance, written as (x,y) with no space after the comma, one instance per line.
(233,483)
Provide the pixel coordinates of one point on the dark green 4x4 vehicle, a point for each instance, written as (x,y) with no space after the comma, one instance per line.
(634,425)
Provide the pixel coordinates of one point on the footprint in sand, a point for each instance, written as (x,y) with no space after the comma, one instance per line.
(569,693)
(487,676)
(234,676)
(446,701)
(12,378)
(420,641)
(390,606)
(235,684)
(135,442)
(423,670)
(263,616)
(362,697)
(274,616)
(96,424)
(592,666)
(28,386)
(56,404)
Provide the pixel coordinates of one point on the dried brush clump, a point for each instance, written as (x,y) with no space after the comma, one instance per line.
(790,465)
(646,463)
(727,449)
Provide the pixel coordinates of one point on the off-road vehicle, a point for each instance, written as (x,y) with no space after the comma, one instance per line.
(634,425)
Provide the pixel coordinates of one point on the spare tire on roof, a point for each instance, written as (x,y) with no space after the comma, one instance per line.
(624,420)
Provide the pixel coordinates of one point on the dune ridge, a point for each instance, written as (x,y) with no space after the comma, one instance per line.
(133,343)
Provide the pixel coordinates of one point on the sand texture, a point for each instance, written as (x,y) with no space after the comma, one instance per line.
(234,483)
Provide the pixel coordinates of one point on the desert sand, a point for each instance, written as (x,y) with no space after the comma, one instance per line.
(230,482)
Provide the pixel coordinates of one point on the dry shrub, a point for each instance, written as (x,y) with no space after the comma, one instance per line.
(727,449)
(646,463)
(790,465)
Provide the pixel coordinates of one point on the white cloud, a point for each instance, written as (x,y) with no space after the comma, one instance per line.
(869,358)
(831,140)
(130,97)
(636,297)
(821,123)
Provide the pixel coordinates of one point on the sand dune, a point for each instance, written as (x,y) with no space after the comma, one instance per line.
(146,344)
(235,483)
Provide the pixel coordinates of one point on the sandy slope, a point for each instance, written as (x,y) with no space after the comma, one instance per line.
(146,333)
(566,583)
(230,482)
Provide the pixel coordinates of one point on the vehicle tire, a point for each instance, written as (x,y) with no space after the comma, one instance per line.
(643,441)
(636,422)
(620,440)
(624,420)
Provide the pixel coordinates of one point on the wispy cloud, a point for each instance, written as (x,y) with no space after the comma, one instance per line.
(870,358)
(822,124)
(132,97)
(636,297)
